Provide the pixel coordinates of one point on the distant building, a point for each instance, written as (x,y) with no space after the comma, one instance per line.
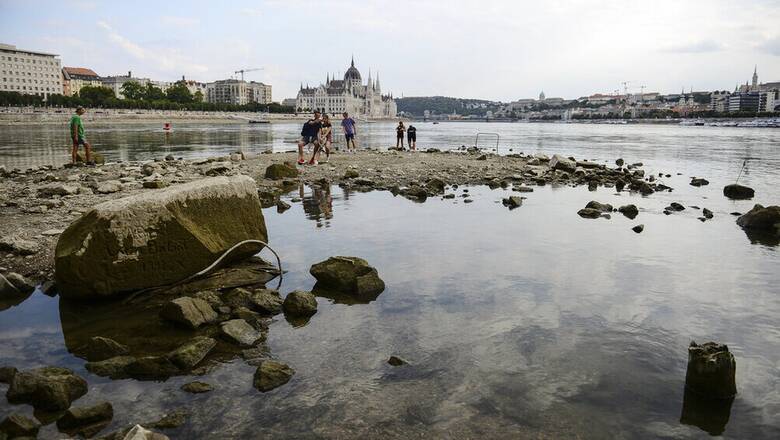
(115,83)
(719,101)
(238,92)
(769,100)
(74,78)
(28,72)
(195,86)
(744,102)
(348,95)
(289,102)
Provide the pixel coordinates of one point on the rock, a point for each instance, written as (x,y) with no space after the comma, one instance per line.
(210,296)
(448,196)
(619,162)
(760,219)
(738,192)
(191,353)
(468,200)
(603,207)
(16,426)
(482,157)
(348,275)
(57,189)
(646,189)
(46,388)
(559,162)
(711,370)
(86,421)
(137,432)
(278,171)
(100,348)
(52,232)
(18,246)
(267,301)
(300,303)
(109,187)
(217,169)
(272,374)
(522,189)
(674,206)
(239,332)
(236,157)
(154,184)
(351,174)
(630,211)
(707,213)
(9,292)
(151,367)
(638,228)
(589,213)
(696,181)
(197,387)
(149,168)
(171,420)
(435,186)
(157,238)
(7,374)
(114,368)
(170,158)
(513,202)
(282,206)
(396,361)
(189,312)
(21,283)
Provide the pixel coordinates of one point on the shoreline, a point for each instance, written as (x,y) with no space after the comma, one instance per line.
(39,203)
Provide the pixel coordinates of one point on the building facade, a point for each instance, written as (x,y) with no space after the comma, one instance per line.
(74,78)
(238,92)
(28,72)
(744,102)
(348,95)
(115,83)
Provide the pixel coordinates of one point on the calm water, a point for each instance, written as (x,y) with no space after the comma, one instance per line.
(525,323)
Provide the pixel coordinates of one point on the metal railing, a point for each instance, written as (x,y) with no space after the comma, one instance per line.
(476,140)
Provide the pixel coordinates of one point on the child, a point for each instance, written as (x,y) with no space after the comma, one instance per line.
(325,140)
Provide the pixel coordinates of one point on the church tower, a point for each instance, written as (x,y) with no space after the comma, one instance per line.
(541,96)
(754,84)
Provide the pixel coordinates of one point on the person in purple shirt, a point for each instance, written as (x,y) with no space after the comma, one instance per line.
(348,125)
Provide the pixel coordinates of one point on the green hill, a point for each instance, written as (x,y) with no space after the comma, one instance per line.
(416,105)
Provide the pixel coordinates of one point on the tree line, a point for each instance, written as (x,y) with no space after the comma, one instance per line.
(137,96)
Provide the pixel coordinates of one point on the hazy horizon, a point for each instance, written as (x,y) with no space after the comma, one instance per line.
(494,50)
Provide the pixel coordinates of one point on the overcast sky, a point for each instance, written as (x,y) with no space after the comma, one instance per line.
(501,50)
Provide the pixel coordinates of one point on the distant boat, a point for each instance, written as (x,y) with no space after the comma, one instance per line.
(258,121)
(434,122)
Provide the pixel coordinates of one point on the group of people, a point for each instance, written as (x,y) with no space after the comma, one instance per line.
(318,132)
(411,136)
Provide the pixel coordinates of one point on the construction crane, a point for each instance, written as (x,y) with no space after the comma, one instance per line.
(242,71)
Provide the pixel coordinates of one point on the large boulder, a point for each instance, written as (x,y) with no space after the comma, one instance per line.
(559,162)
(738,192)
(347,275)
(300,303)
(99,349)
(17,425)
(158,238)
(46,388)
(760,219)
(272,374)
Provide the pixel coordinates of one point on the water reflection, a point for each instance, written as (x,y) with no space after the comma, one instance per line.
(317,204)
(711,415)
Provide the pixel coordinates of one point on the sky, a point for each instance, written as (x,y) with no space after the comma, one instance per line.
(497,50)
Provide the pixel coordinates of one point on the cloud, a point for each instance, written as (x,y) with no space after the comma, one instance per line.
(702,46)
(252,12)
(770,46)
(163,59)
(182,22)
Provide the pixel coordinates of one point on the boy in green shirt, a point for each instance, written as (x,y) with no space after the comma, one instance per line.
(77,136)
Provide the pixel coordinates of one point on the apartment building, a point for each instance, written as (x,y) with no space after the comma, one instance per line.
(74,78)
(29,72)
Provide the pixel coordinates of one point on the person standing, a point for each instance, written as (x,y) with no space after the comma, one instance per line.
(399,134)
(348,126)
(309,133)
(77,136)
(324,139)
(411,137)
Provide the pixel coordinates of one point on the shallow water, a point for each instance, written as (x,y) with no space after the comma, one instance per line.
(525,323)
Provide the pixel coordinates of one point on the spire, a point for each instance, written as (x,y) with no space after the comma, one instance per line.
(327,78)
(353,60)
(376,84)
(755,77)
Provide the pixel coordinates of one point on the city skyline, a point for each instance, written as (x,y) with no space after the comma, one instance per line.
(499,51)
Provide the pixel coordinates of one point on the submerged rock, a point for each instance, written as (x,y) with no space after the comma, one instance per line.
(86,421)
(589,213)
(171,420)
(46,388)
(189,312)
(114,368)
(396,361)
(348,275)
(272,374)
(711,370)
(603,207)
(197,387)
(512,202)
(151,367)
(300,303)
(738,192)
(157,238)
(99,349)
(18,426)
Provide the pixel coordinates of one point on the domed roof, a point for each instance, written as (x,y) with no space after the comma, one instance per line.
(352,73)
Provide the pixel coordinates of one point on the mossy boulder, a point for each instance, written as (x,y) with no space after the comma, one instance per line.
(272,374)
(157,238)
(86,421)
(278,171)
(46,388)
(300,303)
(348,275)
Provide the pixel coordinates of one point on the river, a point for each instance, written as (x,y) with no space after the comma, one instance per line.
(516,324)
